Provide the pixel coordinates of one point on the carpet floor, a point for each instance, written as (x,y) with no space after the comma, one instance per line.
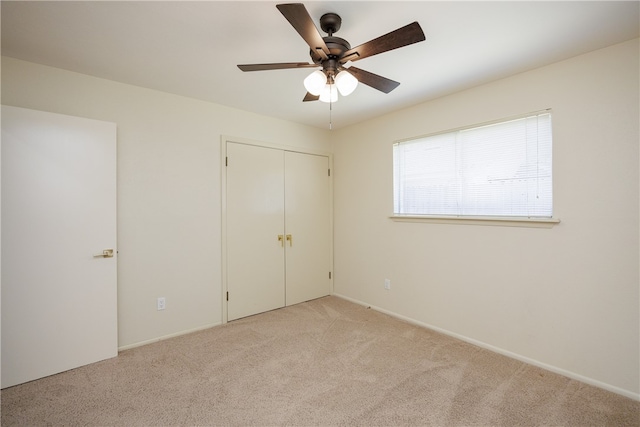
(323,362)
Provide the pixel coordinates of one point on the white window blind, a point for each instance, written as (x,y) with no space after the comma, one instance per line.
(500,169)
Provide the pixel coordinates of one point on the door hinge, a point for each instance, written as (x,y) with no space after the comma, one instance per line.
(227,296)
(329,171)
(329,275)
(226,161)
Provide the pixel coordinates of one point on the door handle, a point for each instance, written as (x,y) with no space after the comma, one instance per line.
(107,253)
(280,239)
(290,240)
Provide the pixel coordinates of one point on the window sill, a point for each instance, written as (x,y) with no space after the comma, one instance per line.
(479,220)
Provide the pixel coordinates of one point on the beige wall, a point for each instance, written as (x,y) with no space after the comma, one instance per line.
(568,301)
(168,188)
(565,297)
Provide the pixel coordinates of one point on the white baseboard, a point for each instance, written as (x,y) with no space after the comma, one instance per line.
(554,369)
(165,337)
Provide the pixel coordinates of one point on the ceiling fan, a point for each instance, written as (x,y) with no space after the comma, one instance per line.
(335,55)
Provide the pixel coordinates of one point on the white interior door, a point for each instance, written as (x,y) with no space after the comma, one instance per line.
(59,302)
(307,223)
(255,230)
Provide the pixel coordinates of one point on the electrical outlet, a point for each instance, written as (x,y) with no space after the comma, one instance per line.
(387,284)
(161,303)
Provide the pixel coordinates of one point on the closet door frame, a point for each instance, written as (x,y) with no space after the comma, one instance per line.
(224,139)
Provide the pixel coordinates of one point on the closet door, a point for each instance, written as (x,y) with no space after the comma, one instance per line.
(255,220)
(307,225)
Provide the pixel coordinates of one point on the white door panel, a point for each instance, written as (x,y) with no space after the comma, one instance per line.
(307,221)
(59,302)
(255,219)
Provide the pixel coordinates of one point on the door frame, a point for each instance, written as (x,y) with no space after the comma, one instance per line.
(224,139)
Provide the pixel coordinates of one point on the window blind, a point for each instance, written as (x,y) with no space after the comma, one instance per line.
(499,169)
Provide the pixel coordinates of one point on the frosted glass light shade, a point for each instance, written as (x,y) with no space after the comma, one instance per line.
(315,82)
(329,94)
(346,83)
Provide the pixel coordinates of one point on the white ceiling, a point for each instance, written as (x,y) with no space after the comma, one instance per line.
(192,48)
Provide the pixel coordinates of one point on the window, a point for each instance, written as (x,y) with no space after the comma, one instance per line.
(496,170)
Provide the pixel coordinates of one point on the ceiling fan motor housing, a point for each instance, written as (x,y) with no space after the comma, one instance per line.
(337,47)
(330,23)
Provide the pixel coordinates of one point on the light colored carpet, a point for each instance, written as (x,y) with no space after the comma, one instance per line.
(324,362)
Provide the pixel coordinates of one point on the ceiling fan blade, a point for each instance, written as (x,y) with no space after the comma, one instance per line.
(276,66)
(383,84)
(401,37)
(299,18)
(309,97)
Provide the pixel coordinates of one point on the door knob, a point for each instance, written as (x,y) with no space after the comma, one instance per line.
(290,240)
(280,239)
(107,253)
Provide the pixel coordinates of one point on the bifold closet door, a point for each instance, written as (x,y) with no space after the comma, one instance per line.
(255,228)
(307,225)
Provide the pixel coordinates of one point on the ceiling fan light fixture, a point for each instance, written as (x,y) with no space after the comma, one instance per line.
(335,55)
(346,83)
(315,82)
(329,93)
